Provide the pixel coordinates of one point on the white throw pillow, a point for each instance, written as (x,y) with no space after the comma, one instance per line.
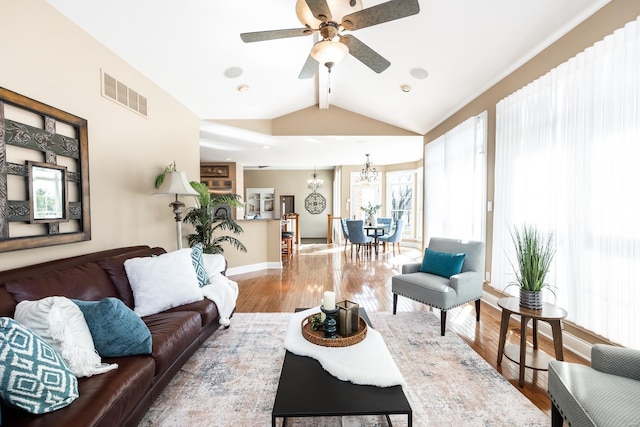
(60,322)
(162,282)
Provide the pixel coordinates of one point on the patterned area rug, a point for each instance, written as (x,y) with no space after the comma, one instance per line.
(232,379)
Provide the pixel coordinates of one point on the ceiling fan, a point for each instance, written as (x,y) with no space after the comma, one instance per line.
(330,18)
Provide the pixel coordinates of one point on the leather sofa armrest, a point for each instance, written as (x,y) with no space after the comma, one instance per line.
(411,268)
(620,361)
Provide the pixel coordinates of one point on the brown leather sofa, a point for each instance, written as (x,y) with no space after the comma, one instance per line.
(122,396)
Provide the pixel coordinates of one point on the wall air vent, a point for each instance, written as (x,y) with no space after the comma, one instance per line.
(122,94)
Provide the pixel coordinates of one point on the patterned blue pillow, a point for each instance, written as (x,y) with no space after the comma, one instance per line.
(116,330)
(441,263)
(198,264)
(33,376)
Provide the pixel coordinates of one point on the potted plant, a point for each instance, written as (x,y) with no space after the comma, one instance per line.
(534,254)
(371,210)
(207,221)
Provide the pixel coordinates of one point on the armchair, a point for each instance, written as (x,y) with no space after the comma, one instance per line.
(441,292)
(605,394)
(393,238)
(357,236)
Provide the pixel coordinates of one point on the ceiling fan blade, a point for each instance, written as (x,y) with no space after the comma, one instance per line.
(384,12)
(320,9)
(309,68)
(260,36)
(365,54)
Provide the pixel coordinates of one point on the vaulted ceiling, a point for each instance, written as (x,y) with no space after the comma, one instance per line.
(192,49)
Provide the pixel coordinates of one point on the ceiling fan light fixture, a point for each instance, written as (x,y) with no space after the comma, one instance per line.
(326,51)
(339,8)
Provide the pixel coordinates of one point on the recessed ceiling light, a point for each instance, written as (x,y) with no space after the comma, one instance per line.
(242,88)
(405,87)
(265,147)
(419,73)
(233,72)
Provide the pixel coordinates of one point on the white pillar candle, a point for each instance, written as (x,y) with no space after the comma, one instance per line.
(329,300)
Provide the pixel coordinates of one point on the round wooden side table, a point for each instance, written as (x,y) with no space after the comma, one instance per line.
(530,357)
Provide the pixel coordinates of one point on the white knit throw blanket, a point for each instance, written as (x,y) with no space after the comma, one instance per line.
(367,362)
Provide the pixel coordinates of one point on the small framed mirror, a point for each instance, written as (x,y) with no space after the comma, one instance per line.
(48,193)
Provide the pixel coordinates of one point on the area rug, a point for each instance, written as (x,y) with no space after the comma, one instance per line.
(232,379)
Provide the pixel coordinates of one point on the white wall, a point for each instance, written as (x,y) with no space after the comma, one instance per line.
(50,59)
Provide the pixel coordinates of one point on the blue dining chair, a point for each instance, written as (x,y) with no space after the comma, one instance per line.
(345,232)
(393,238)
(386,223)
(357,235)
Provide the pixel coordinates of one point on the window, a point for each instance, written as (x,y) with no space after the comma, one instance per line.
(363,193)
(567,148)
(455,182)
(401,193)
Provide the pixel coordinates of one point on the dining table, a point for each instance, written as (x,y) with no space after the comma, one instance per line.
(375,231)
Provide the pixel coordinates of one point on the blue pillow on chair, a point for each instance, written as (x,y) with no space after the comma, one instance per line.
(116,330)
(441,263)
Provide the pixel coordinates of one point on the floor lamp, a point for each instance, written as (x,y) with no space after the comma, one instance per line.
(176,184)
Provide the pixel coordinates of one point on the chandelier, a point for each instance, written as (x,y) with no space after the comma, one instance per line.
(314,183)
(368,173)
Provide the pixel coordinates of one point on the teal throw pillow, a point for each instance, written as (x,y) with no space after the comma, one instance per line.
(198,264)
(116,330)
(33,375)
(441,263)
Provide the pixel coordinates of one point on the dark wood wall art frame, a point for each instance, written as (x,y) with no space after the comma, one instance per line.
(48,147)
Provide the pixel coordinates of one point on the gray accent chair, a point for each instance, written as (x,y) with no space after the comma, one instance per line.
(605,394)
(440,292)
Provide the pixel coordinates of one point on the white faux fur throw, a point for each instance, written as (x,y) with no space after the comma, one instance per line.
(367,362)
(224,293)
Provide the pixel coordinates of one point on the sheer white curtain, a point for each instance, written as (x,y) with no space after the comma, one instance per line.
(568,161)
(454,177)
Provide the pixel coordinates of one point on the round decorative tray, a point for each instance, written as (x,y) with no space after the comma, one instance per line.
(317,337)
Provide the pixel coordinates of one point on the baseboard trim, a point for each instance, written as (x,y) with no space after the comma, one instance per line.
(250,268)
(570,342)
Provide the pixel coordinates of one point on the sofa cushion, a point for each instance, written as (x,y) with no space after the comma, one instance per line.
(105,400)
(33,376)
(162,282)
(206,308)
(114,267)
(116,330)
(171,334)
(85,282)
(441,263)
(60,323)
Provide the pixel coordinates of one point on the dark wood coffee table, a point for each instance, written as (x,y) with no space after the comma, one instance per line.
(307,390)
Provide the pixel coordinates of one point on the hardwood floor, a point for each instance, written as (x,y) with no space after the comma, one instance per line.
(315,268)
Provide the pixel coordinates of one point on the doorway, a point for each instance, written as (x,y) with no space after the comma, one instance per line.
(287,204)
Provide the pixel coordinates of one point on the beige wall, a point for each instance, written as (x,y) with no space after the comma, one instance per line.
(294,182)
(611,17)
(51,60)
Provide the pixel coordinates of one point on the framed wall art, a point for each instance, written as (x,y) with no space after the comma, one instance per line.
(44,175)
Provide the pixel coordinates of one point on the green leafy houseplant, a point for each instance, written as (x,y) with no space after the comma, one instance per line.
(371,209)
(534,254)
(208,223)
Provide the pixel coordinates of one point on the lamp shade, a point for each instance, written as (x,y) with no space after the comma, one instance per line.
(176,183)
(326,51)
